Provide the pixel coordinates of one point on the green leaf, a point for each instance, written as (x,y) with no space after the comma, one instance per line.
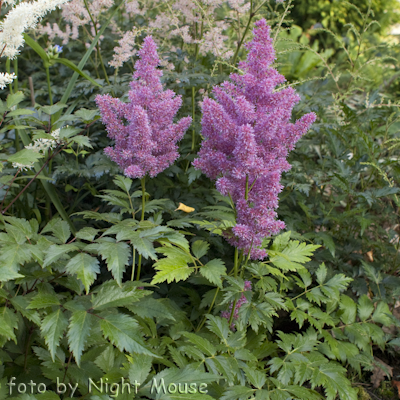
(148,307)
(79,329)
(213,271)
(81,140)
(14,99)
(219,326)
(25,157)
(60,229)
(292,256)
(116,255)
(112,295)
(17,112)
(87,233)
(7,324)
(200,248)
(139,368)
(51,110)
(53,327)
(43,300)
(321,273)
(37,48)
(365,307)
(237,392)
(55,252)
(21,303)
(85,267)
(201,343)
(349,309)
(122,331)
(382,314)
(173,267)
(86,115)
(71,65)
(123,183)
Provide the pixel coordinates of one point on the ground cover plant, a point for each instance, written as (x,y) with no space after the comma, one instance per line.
(199,200)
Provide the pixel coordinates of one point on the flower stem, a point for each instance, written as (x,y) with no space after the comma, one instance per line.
(193,119)
(143,181)
(252,14)
(97,44)
(49,85)
(236,262)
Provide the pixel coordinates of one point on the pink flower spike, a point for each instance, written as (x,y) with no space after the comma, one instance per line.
(143,129)
(247,137)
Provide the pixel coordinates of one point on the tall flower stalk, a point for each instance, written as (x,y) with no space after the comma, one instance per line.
(143,130)
(247,137)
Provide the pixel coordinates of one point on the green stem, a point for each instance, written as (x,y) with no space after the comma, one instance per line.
(133,262)
(49,85)
(244,33)
(8,70)
(97,44)
(16,73)
(236,262)
(143,181)
(246,195)
(193,119)
(209,310)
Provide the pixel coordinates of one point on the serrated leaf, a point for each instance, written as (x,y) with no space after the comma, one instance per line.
(200,248)
(123,183)
(87,233)
(173,267)
(365,307)
(53,327)
(293,255)
(21,304)
(219,326)
(14,99)
(122,331)
(80,325)
(7,324)
(321,273)
(382,314)
(112,295)
(55,252)
(349,309)
(85,267)
(25,157)
(148,307)
(201,343)
(213,271)
(116,255)
(43,300)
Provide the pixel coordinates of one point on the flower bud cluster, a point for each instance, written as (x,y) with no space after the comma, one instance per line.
(247,137)
(143,129)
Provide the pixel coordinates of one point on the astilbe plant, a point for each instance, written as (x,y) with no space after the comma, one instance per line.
(143,129)
(247,137)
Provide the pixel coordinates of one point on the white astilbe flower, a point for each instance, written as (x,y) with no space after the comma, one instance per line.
(6,79)
(24,167)
(42,145)
(19,19)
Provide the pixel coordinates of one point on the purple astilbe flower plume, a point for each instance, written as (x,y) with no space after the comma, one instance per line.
(247,137)
(145,136)
(239,303)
